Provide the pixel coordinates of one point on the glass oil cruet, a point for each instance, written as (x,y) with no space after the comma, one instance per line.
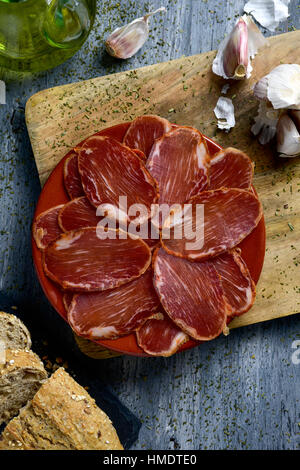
(37,35)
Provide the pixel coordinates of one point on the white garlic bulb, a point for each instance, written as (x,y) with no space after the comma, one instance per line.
(125,41)
(278,91)
(281,87)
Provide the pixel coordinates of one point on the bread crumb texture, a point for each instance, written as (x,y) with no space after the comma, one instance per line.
(61,416)
(21,375)
(13,332)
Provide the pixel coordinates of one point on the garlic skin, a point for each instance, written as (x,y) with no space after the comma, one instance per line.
(224,112)
(281,87)
(265,123)
(237,49)
(295,115)
(268,13)
(288,137)
(125,41)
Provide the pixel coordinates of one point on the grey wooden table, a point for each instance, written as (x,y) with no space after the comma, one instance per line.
(238,392)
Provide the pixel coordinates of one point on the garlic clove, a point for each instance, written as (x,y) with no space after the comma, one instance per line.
(281,87)
(265,123)
(224,112)
(284,86)
(235,56)
(269,13)
(295,115)
(125,41)
(288,137)
(236,50)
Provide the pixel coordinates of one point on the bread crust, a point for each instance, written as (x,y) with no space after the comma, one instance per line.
(61,415)
(14,328)
(21,376)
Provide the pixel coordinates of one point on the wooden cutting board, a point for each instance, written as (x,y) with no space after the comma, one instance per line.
(185,91)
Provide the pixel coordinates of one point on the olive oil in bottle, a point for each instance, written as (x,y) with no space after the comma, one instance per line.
(37,35)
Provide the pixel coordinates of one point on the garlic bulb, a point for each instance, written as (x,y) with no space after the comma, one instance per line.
(281,87)
(224,112)
(288,137)
(237,50)
(125,41)
(268,13)
(265,122)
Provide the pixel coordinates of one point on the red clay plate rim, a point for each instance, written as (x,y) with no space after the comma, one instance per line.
(253,247)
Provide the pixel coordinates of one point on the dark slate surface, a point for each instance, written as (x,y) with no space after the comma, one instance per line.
(239,392)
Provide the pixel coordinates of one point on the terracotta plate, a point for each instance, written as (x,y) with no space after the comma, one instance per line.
(53,193)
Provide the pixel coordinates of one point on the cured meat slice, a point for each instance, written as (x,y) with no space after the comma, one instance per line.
(45,228)
(72,179)
(144,130)
(191,294)
(76,214)
(67,299)
(230,168)
(238,287)
(82,261)
(109,170)
(140,154)
(160,337)
(229,216)
(179,163)
(79,213)
(146,231)
(114,313)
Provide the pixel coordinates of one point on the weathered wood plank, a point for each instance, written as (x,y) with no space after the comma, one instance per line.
(239,392)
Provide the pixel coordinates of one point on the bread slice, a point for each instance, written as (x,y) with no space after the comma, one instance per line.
(61,416)
(13,332)
(20,377)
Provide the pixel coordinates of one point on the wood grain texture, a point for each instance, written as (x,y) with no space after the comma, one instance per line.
(238,392)
(185,91)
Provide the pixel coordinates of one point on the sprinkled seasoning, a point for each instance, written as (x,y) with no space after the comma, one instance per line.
(221,396)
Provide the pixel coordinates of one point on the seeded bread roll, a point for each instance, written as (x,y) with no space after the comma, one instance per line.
(13,332)
(61,416)
(20,377)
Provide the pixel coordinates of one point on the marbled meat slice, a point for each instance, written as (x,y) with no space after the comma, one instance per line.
(146,231)
(229,216)
(191,294)
(109,170)
(179,162)
(140,154)
(93,259)
(45,229)
(238,286)
(144,130)
(76,214)
(160,337)
(72,179)
(116,312)
(230,168)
